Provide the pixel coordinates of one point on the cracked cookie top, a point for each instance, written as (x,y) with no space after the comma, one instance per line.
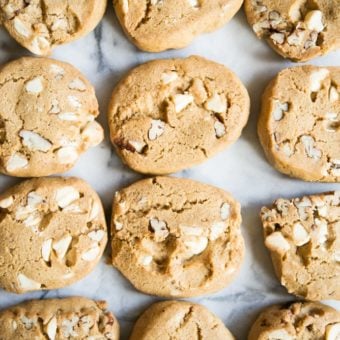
(47,117)
(299,126)
(179,320)
(168,115)
(176,237)
(303,236)
(52,234)
(41,25)
(297,29)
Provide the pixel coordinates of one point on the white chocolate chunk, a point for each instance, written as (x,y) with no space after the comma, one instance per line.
(138,146)
(61,246)
(321,231)
(196,244)
(66,195)
(17,161)
(125,6)
(58,71)
(225,211)
(6,202)
(279,110)
(217,104)
(191,231)
(169,77)
(279,38)
(67,327)
(69,116)
(220,129)
(22,28)
(300,235)
(91,254)
(194,3)
(277,242)
(67,155)
(333,94)
(55,108)
(74,101)
(59,24)
(28,323)
(96,235)
(311,151)
(39,44)
(181,101)
(333,331)
(156,130)
(27,284)
(73,209)
(159,228)
(34,141)
(34,86)
(146,260)
(217,229)
(316,79)
(313,21)
(77,84)
(46,249)
(51,328)
(14,325)
(287,149)
(95,210)
(279,334)
(93,134)
(33,222)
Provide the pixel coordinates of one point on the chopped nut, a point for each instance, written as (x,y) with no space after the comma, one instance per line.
(321,231)
(27,284)
(146,260)
(94,212)
(17,161)
(313,21)
(159,228)
(169,77)
(191,231)
(69,116)
(61,246)
(287,149)
(196,244)
(302,205)
(67,327)
(294,12)
(138,146)
(28,323)
(311,151)
(300,235)
(51,328)
(277,242)
(194,3)
(296,38)
(217,229)
(279,110)
(225,211)
(33,222)
(46,249)
(260,26)
(181,101)
(216,103)
(74,101)
(77,84)
(156,130)
(39,44)
(118,225)
(6,202)
(125,6)
(279,38)
(34,141)
(280,334)
(67,155)
(316,79)
(14,325)
(96,235)
(34,86)
(22,28)
(93,134)
(55,108)
(59,24)
(220,130)
(73,209)
(333,94)
(58,71)
(66,195)
(91,254)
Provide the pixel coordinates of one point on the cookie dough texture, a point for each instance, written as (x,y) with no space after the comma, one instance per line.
(296,29)
(299,320)
(299,126)
(54,319)
(168,115)
(52,234)
(40,26)
(157,25)
(47,112)
(175,320)
(176,237)
(303,236)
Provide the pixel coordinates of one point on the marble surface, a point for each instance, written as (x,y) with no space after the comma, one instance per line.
(104,56)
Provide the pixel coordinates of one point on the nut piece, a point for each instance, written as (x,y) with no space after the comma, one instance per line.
(225,211)
(279,38)
(125,6)
(93,134)
(279,334)
(220,130)
(145,260)
(51,328)
(91,254)
(66,195)
(194,3)
(311,151)
(22,28)
(77,84)
(313,21)
(216,103)
(217,229)
(277,242)
(67,327)
(6,202)
(62,246)
(159,228)
(169,77)
(94,212)
(67,155)
(156,130)
(138,146)
(34,86)
(321,231)
(46,249)
(181,101)
(34,141)
(300,235)
(17,161)
(316,79)
(196,244)
(27,284)
(58,71)
(279,110)
(96,235)
(333,94)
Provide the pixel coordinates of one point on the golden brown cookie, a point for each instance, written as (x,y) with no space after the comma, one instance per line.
(299,125)
(168,115)
(52,233)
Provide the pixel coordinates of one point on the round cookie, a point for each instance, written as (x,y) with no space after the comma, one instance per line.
(176,237)
(157,25)
(40,26)
(168,115)
(298,320)
(52,234)
(303,236)
(296,29)
(299,125)
(47,112)
(179,320)
(74,317)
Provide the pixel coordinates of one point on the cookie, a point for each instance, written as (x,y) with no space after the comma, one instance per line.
(52,234)
(179,320)
(299,125)
(176,237)
(303,236)
(168,115)
(157,25)
(42,26)
(298,320)
(70,318)
(46,117)
(299,30)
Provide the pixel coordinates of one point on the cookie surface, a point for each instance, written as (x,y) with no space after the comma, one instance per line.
(40,26)
(168,115)
(296,29)
(299,320)
(303,236)
(179,320)
(158,25)
(176,237)
(299,125)
(75,318)
(52,234)
(46,117)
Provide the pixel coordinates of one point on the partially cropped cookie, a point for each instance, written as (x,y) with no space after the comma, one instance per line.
(40,26)
(168,115)
(70,318)
(52,234)
(157,25)
(176,237)
(179,320)
(299,125)
(303,236)
(298,30)
(299,320)
(47,117)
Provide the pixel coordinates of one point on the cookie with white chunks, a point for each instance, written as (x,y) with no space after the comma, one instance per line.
(40,26)
(299,125)
(52,319)
(52,234)
(298,30)
(303,236)
(47,117)
(168,115)
(295,321)
(176,237)
(179,320)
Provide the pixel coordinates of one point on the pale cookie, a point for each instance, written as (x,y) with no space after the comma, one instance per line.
(52,234)
(179,320)
(296,29)
(299,126)
(40,26)
(297,321)
(158,25)
(168,115)
(303,236)
(57,319)
(176,237)
(47,117)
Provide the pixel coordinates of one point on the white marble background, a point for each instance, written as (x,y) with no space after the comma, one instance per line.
(104,56)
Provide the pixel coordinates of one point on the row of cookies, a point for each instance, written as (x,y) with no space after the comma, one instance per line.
(80,318)
(298,30)
(165,116)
